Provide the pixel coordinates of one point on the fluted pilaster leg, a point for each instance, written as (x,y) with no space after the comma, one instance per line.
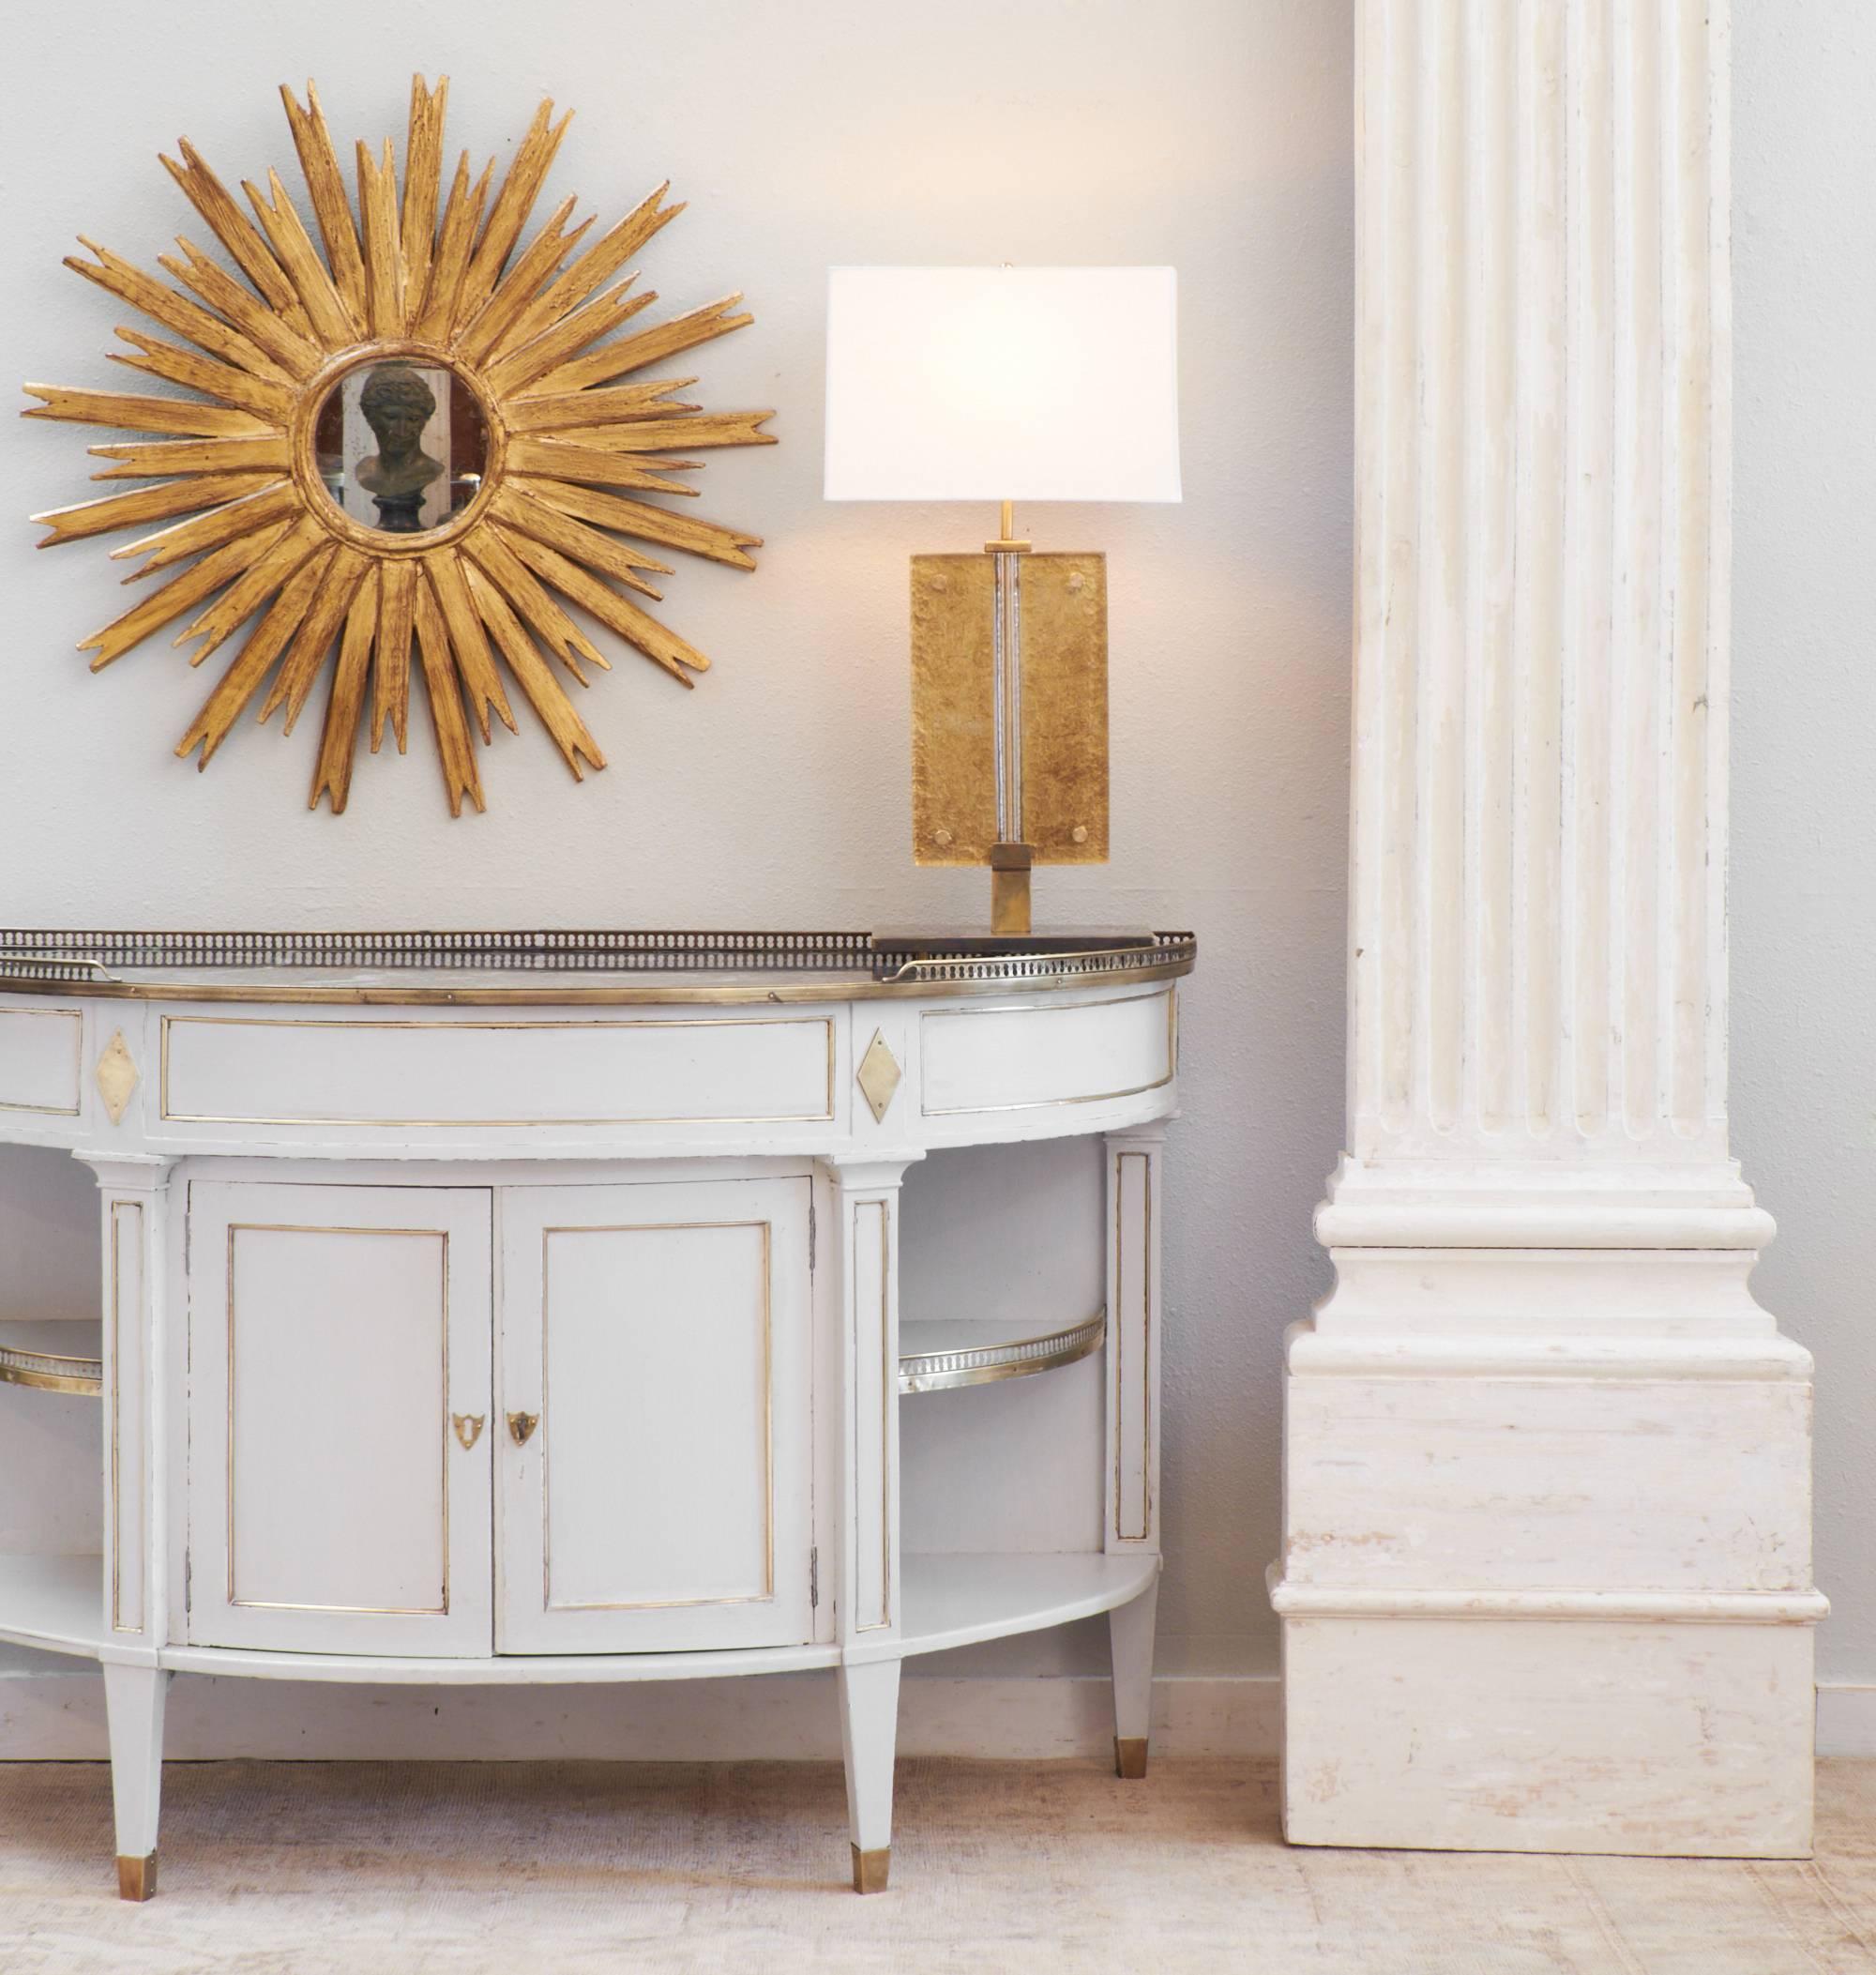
(869,1732)
(133,1703)
(859,1207)
(1130,1641)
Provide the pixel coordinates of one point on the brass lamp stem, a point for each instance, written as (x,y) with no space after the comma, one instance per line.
(1009,888)
(1011,856)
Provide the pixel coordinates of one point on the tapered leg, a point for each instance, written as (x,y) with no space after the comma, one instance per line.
(133,1706)
(869,1733)
(1130,1639)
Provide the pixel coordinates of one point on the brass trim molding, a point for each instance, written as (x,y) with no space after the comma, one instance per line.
(1059,967)
(769,967)
(611,952)
(36,1374)
(117,1077)
(1014,1357)
(872,1870)
(137,1878)
(879,1077)
(50,1371)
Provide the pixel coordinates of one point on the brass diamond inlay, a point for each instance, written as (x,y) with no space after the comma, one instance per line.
(117,1077)
(879,1076)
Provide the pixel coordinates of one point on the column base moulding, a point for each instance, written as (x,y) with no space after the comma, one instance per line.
(1646,1736)
(1758,1608)
(1545,1590)
(1530,1203)
(1560,1293)
(1604,1357)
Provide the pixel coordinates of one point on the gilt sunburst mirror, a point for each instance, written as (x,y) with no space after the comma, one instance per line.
(409,448)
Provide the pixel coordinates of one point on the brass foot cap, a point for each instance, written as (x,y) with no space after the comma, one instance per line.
(137,1878)
(871,1868)
(1130,1756)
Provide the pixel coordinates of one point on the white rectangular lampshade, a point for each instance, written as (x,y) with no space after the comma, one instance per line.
(993,384)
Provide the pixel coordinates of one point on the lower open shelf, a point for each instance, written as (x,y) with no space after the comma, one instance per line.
(962,1600)
(58,1602)
(53,1601)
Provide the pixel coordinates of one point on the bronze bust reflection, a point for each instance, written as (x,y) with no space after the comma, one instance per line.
(398,404)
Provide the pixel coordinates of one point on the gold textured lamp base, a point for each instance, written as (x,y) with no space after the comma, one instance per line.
(137,1878)
(1064,722)
(1130,1756)
(872,1869)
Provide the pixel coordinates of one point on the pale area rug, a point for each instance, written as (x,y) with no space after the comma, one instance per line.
(567,1868)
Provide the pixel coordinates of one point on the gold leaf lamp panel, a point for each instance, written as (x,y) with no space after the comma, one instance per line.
(1034,384)
(407,446)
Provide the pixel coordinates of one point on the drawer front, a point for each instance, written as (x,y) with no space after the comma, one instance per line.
(496,1074)
(1020,1058)
(42,1052)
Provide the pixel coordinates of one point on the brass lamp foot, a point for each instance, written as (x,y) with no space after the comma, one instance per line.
(137,1878)
(871,1868)
(1130,1756)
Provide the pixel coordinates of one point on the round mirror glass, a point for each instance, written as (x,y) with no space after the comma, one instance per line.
(401,446)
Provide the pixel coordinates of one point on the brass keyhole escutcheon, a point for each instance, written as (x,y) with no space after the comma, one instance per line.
(521,1426)
(468,1428)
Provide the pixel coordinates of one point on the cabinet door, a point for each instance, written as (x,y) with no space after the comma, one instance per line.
(660,1334)
(337,1336)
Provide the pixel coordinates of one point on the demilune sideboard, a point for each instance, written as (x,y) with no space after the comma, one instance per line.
(485,1308)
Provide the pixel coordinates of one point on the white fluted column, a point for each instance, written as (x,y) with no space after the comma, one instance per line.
(1546,1581)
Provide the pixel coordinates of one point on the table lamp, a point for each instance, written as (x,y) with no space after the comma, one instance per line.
(1005,383)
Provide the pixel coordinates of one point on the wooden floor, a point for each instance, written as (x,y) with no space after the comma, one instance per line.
(300,1869)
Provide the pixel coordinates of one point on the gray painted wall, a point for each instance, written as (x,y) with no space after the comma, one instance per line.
(1212,134)
(1803,736)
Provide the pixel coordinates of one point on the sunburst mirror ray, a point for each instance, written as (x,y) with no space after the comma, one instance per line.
(410,445)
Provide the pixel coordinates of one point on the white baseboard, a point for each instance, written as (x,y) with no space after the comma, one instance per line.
(1846,1719)
(52,1711)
